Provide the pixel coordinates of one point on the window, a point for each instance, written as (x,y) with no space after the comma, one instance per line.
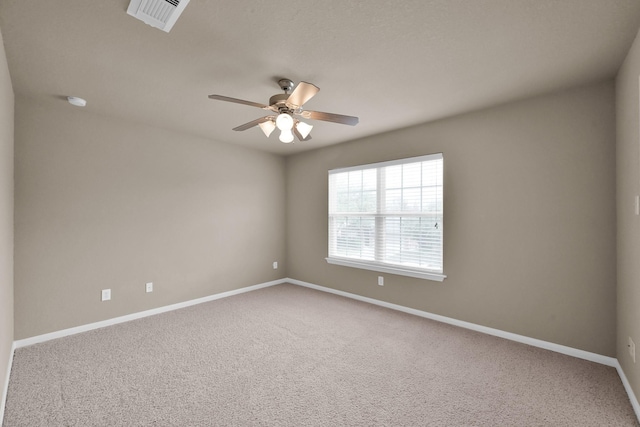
(388,217)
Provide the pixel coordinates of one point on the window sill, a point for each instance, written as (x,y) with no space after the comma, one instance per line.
(390,269)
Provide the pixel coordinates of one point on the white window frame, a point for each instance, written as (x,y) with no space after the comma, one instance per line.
(377,264)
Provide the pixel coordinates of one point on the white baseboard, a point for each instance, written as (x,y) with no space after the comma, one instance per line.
(570,351)
(627,387)
(581,354)
(84,328)
(593,357)
(5,387)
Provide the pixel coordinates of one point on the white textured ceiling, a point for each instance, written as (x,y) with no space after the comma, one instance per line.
(392,63)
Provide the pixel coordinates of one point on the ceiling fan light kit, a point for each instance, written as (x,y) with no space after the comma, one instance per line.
(304,129)
(286,136)
(267,127)
(287,105)
(284,121)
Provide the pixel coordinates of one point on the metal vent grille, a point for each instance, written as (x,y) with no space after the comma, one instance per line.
(161,14)
(159,9)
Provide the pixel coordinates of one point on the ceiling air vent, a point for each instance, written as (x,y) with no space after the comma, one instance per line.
(161,14)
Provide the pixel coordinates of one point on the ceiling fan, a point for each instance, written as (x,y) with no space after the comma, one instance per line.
(288,106)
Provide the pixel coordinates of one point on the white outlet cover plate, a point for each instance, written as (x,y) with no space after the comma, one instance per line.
(149,287)
(106,294)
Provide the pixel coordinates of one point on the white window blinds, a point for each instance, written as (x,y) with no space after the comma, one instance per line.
(388,216)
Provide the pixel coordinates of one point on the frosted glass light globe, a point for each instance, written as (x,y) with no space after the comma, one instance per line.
(284,122)
(286,136)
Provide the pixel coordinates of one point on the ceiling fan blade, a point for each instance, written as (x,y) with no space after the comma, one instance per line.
(301,94)
(239,101)
(330,117)
(296,132)
(252,123)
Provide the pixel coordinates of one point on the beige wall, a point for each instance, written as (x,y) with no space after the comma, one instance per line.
(529,218)
(6,219)
(628,186)
(103,203)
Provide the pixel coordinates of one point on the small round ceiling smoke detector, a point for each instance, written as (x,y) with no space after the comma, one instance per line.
(78,102)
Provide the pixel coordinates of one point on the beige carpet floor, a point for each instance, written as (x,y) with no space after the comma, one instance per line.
(291,356)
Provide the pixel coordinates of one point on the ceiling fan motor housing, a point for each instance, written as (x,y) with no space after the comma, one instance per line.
(279,101)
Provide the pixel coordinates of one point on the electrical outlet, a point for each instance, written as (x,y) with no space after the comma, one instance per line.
(275,265)
(148,287)
(632,349)
(106,294)
(380,281)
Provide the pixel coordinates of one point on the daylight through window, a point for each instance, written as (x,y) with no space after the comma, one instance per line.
(388,217)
